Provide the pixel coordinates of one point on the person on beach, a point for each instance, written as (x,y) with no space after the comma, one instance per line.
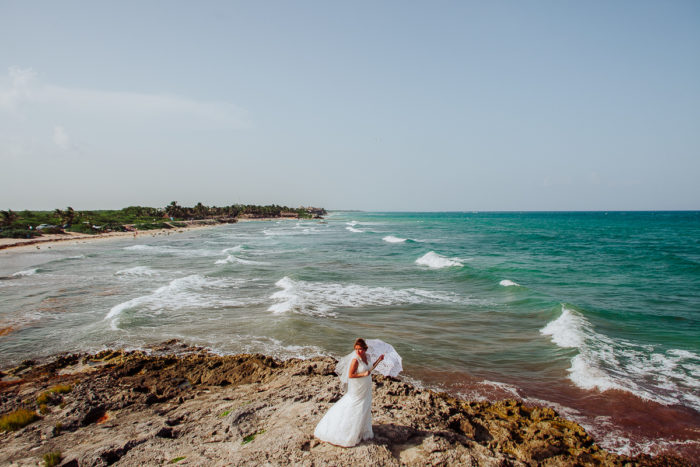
(349,421)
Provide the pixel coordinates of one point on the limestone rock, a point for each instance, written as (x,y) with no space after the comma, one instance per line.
(180,402)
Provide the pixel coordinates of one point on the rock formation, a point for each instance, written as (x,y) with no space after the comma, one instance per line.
(181,405)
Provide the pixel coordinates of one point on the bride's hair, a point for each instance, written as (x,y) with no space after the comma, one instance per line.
(361,343)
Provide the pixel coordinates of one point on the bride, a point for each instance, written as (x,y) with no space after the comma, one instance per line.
(349,421)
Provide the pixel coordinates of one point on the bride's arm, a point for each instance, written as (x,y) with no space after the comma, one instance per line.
(353,370)
(381,357)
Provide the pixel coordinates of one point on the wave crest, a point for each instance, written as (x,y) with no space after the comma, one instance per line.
(169,250)
(321,298)
(28,272)
(508,283)
(234,259)
(436,261)
(392,239)
(137,271)
(604,363)
(190,292)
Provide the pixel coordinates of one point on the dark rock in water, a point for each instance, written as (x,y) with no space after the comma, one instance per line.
(175,401)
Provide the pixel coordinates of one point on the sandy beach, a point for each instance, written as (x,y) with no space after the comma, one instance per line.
(18,245)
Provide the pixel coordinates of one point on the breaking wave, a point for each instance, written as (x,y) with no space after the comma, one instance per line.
(137,271)
(28,272)
(508,283)
(321,298)
(436,261)
(671,377)
(190,292)
(236,260)
(392,239)
(169,250)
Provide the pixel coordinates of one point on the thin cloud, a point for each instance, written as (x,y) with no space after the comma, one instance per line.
(16,87)
(21,86)
(61,138)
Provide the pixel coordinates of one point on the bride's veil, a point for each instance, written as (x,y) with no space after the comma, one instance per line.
(342,369)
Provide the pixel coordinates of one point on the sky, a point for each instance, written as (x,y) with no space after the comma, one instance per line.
(380,106)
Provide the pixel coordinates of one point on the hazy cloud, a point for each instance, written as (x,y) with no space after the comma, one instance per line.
(16,87)
(60,138)
(21,86)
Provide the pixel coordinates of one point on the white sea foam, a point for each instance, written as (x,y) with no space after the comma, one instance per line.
(436,261)
(353,229)
(322,298)
(233,249)
(234,259)
(285,232)
(137,271)
(190,292)
(351,223)
(603,363)
(166,249)
(509,389)
(392,239)
(276,348)
(28,272)
(508,283)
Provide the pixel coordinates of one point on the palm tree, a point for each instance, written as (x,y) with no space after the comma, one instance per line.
(68,216)
(173,210)
(200,210)
(8,217)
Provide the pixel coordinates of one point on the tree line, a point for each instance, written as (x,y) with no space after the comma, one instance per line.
(21,224)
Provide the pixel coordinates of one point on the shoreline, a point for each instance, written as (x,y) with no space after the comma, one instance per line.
(612,417)
(175,401)
(19,245)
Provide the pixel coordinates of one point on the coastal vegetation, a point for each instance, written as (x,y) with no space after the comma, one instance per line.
(29,224)
(50,396)
(52,459)
(252,436)
(20,418)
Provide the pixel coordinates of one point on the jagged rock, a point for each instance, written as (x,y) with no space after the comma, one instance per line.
(175,401)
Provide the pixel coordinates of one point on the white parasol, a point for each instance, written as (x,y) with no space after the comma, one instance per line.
(391,365)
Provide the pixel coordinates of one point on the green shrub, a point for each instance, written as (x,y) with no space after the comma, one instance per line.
(52,230)
(82,228)
(52,459)
(17,419)
(18,233)
(176,460)
(61,389)
(153,226)
(250,438)
(45,397)
(43,409)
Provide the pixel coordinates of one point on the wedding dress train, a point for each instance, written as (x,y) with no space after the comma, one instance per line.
(349,421)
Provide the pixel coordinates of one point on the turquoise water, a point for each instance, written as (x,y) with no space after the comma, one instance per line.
(592,313)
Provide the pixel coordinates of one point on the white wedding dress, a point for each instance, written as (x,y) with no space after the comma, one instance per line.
(349,421)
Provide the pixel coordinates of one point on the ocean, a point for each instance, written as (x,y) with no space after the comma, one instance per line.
(596,314)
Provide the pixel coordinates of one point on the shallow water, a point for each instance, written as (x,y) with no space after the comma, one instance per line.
(595,314)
